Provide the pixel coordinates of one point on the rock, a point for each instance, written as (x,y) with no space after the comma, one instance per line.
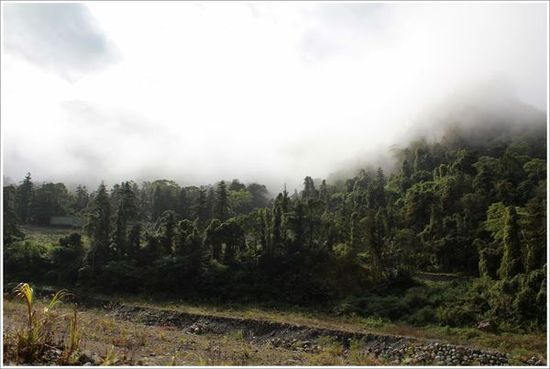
(486,326)
(87,363)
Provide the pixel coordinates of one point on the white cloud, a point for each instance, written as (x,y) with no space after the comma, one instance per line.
(61,37)
(266,91)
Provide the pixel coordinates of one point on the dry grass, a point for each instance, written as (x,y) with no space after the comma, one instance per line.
(112,340)
(519,345)
(158,345)
(47,236)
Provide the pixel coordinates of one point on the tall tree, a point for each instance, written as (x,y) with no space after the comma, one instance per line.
(9,217)
(99,228)
(201,208)
(134,241)
(211,202)
(167,230)
(221,208)
(309,191)
(323,192)
(50,199)
(511,263)
(258,194)
(183,205)
(535,234)
(127,211)
(82,198)
(24,199)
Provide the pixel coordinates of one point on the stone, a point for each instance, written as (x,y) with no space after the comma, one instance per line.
(486,326)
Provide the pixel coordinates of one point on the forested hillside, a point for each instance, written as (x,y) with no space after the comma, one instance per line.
(476,208)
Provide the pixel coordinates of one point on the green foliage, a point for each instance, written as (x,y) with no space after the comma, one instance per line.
(67,258)
(99,229)
(221,207)
(24,199)
(11,231)
(511,263)
(468,205)
(496,218)
(26,260)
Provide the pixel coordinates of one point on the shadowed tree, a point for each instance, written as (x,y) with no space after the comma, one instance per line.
(511,263)
(99,229)
(11,232)
(221,207)
(24,199)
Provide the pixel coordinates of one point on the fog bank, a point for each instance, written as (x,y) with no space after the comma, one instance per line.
(265,92)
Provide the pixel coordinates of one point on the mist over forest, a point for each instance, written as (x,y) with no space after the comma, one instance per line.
(276,183)
(283,92)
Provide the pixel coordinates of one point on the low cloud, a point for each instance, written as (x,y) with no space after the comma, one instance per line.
(268,92)
(64,38)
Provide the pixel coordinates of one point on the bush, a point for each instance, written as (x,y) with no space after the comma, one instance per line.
(26,260)
(424,316)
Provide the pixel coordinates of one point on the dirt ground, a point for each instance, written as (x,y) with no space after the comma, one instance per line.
(105,335)
(127,334)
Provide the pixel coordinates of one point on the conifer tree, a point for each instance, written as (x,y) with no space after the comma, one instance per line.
(183,206)
(11,231)
(535,234)
(99,227)
(201,210)
(309,191)
(24,199)
(134,241)
(221,209)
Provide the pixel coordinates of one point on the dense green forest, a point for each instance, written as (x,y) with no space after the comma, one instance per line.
(476,208)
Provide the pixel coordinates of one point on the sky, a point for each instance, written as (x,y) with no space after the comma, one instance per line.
(266,92)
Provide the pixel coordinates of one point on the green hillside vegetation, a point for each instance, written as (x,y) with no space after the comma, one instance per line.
(473,208)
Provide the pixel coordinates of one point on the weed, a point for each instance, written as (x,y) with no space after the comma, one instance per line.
(75,336)
(37,337)
(110,357)
(237,334)
(173,361)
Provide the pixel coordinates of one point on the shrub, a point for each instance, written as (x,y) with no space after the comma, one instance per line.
(26,260)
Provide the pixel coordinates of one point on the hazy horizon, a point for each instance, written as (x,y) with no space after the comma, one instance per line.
(267,93)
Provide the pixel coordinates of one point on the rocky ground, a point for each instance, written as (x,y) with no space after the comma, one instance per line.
(128,334)
(393,349)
